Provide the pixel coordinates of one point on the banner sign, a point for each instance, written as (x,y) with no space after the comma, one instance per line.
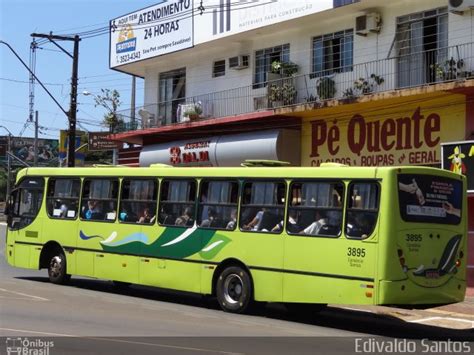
(459,158)
(223,18)
(98,141)
(24,149)
(427,198)
(377,136)
(63,148)
(173,25)
(156,30)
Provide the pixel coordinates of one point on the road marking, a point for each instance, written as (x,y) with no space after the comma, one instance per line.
(124,341)
(3,223)
(422,320)
(25,294)
(36,332)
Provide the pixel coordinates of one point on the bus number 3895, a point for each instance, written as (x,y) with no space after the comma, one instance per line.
(359,252)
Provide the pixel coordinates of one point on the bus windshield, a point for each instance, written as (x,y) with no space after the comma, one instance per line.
(430,199)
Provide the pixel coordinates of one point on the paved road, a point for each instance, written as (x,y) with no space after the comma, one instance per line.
(31,306)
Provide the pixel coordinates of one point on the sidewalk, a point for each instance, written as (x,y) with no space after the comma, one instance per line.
(456,316)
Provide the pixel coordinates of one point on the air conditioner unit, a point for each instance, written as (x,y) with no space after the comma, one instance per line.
(368,23)
(459,6)
(239,62)
(182,108)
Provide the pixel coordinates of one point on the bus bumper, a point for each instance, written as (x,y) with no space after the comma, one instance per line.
(406,292)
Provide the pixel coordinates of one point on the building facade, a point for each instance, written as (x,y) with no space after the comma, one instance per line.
(365,83)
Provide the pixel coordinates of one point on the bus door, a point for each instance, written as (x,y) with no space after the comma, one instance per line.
(329,252)
(24,228)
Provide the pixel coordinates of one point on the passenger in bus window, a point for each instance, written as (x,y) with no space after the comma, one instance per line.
(361,226)
(64,210)
(315,227)
(185,219)
(211,216)
(93,210)
(254,224)
(233,219)
(291,225)
(146,217)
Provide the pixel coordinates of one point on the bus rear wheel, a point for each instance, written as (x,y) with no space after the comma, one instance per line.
(57,268)
(234,289)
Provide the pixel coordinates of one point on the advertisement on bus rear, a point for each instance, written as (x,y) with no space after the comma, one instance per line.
(430,199)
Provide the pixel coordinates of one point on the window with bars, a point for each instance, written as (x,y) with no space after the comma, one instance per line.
(218,69)
(333,53)
(264,59)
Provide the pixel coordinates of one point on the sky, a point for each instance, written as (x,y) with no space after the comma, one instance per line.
(20,18)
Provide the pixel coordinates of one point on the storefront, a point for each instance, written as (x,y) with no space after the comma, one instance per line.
(405,131)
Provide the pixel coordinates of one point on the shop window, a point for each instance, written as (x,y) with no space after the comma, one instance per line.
(262,207)
(315,208)
(218,204)
(99,200)
(177,201)
(138,201)
(63,198)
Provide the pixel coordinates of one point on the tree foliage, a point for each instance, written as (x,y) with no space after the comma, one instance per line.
(110,100)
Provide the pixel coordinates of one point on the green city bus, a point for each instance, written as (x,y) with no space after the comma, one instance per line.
(297,235)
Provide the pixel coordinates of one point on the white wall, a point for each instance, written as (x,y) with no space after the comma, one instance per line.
(299,33)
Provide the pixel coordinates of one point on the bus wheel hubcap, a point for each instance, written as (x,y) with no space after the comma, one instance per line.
(55,266)
(233,287)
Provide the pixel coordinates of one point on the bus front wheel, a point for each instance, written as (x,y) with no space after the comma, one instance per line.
(234,289)
(57,268)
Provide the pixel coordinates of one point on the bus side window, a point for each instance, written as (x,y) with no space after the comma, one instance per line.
(315,208)
(177,200)
(218,204)
(362,209)
(63,198)
(263,206)
(138,201)
(99,200)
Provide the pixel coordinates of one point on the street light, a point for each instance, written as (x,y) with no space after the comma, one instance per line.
(9,167)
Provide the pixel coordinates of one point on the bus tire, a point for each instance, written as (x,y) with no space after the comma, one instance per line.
(234,289)
(57,267)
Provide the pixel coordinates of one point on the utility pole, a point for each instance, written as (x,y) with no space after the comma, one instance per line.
(132,104)
(36,139)
(71,154)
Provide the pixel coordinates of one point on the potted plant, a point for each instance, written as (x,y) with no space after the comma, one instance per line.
(449,70)
(193,113)
(326,88)
(367,86)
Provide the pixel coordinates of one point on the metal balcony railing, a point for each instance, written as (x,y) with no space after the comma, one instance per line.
(345,83)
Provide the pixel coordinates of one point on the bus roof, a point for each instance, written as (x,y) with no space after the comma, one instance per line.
(262,172)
